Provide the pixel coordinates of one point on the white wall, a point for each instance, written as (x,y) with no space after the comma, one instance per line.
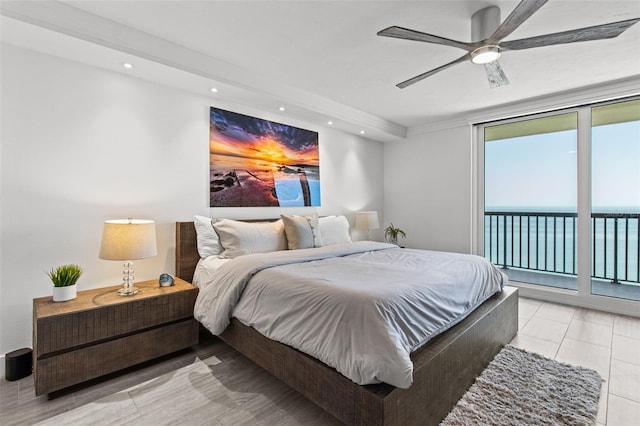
(81,145)
(428,189)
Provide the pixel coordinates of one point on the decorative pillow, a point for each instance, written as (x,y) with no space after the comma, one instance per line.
(301,231)
(334,230)
(239,238)
(206,237)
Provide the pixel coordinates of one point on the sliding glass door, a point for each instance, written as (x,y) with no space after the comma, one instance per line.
(615,199)
(530,201)
(559,205)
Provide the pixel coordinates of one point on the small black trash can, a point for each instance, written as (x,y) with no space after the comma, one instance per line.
(18,364)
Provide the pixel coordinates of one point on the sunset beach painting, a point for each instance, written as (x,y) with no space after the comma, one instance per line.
(260,163)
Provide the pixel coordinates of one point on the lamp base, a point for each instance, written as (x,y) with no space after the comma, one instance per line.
(127,280)
(128,291)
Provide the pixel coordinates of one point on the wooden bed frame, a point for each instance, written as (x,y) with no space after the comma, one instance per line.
(443,369)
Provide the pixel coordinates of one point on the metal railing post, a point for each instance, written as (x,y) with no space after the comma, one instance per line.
(615,251)
(504,241)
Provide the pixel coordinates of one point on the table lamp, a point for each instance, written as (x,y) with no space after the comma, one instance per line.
(367,221)
(127,240)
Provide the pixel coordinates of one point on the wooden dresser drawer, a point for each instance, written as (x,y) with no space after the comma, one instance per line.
(64,331)
(86,363)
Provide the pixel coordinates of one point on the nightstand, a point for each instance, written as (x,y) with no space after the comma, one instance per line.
(101,332)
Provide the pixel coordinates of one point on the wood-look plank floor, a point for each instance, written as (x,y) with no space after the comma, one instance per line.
(214,385)
(209,385)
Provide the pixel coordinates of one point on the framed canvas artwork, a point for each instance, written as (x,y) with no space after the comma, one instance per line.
(261,163)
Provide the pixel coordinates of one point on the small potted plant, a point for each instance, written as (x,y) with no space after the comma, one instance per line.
(64,280)
(391,234)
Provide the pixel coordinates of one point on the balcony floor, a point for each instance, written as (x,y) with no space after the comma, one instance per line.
(569,282)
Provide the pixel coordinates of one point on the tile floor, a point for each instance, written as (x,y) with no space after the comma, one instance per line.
(607,343)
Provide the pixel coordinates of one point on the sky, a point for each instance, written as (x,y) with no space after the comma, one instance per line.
(540,171)
(243,136)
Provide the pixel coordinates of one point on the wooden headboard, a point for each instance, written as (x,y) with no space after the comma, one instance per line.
(186,250)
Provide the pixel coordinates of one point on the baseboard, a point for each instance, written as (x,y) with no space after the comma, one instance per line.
(2,365)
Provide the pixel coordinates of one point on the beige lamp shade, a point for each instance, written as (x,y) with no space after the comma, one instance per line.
(367,220)
(128,239)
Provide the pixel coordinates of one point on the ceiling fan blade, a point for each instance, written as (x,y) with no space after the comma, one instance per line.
(495,75)
(597,32)
(407,34)
(521,13)
(433,71)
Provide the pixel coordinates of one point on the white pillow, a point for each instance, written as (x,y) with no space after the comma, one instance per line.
(239,238)
(301,231)
(334,230)
(206,238)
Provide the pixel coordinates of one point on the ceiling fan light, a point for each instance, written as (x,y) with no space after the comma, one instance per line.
(485,54)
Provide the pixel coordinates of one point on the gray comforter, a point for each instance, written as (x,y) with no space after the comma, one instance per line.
(361,308)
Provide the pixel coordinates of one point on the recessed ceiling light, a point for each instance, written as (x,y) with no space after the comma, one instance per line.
(329,123)
(281,108)
(127,65)
(362,132)
(214,90)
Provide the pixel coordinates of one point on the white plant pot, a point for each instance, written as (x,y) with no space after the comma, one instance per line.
(62,294)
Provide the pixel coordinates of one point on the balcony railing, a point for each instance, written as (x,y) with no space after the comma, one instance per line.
(546,242)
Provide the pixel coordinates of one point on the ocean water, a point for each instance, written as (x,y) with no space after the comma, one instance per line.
(538,244)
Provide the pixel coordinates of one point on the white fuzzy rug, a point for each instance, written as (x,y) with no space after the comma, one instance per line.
(523,388)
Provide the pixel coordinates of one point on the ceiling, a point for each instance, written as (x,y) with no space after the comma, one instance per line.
(322,60)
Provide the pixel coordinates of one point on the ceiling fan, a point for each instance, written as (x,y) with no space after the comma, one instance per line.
(486,27)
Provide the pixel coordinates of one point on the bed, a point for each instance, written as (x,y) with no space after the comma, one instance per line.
(443,369)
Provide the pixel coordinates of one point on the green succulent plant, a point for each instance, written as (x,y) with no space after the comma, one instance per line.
(65,275)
